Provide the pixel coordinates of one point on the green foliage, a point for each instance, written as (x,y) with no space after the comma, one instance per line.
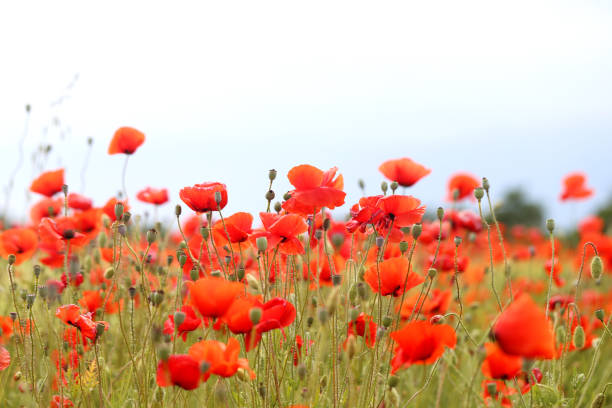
(516,208)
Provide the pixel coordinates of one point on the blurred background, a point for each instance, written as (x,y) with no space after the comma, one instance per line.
(519,92)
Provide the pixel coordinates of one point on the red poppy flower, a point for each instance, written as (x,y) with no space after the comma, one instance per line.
(126,140)
(21,242)
(88,222)
(79,202)
(500,365)
(420,342)
(393,275)
(190,323)
(437,302)
(238,227)
(212,296)
(461,185)
(574,187)
(281,231)
(405,171)
(180,370)
(47,207)
(223,359)
(153,195)
(109,208)
(381,211)
(314,189)
(5,358)
(277,313)
(61,229)
(201,197)
(56,402)
(559,281)
(363,326)
(48,183)
(71,315)
(523,330)
(92,300)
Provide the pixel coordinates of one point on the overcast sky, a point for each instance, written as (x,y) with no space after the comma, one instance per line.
(520,92)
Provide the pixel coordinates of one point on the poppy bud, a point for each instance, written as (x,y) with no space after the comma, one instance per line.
(432,272)
(599,314)
(416,231)
(386,321)
(596,267)
(100,327)
(30,300)
(550,225)
(492,389)
(178,210)
(272,174)
(12,259)
(240,273)
(361,183)
(182,259)
(218,197)
(262,244)
(322,315)
(478,193)
(579,338)
(36,271)
(485,184)
(194,274)
(157,297)
(403,246)
(151,236)
(255,315)
(440,213)
(599,400)
(393,381)
(435,319)
(119,210)
(384,186)
(278,207)
(457,241)
(179,318)
(270,195)
(102,240)
(326,224)
(253,283)
(560,334)
(394,186)
(164,353)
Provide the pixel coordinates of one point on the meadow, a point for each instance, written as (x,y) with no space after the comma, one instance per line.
(394,305)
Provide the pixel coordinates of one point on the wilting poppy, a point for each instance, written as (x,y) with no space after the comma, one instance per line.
(79,202)
(202,197)
(153,195)
(500,365)
(420,342)
(126,140)
(461,185)
(314,189)
(212,296)
(48,183)
(223,359)
(180,370)
(393,276)
(190,323)
(523,330)
(21,242)
(574,187)
(404,171)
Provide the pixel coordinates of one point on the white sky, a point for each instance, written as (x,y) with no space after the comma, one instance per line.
(520,92)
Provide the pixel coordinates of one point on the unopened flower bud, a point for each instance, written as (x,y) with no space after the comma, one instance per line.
(393,381)
(255,315)
(492,389)
(435,319)
(384,186)
(600,315)
(361,183)
(478,193)
(416,231)
(119,208)
(386,321)
(194,273)
(262,244)
(440,213)
(596,267)
(179,318)
(182,259)
(579,337)
(218,197)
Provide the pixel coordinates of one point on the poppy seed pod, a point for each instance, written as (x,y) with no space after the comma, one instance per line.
(218,197)
(394,186)
(262,244)
(278,207)
(386,321)
(326,224)
(440,213)
(126,217)
(119,208)
(30,300)
(596,267)
(361,183)
(579,337)
(485,184)
(270,195)
(393,381)
(179,318)
(550,225)
(379,241)
(403,247)
(255,315)
(384,187)
(65,189)
(194,274)
(272,174)
(132,291)
(432,272)
(178,210)
(416,230)
(600,315)
(37,271)
(492,388)
(478,193)
(151,236)
(100,327)
(287,196)
(457,241)
(12,259)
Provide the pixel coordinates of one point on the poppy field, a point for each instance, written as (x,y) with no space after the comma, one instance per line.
(308,301)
